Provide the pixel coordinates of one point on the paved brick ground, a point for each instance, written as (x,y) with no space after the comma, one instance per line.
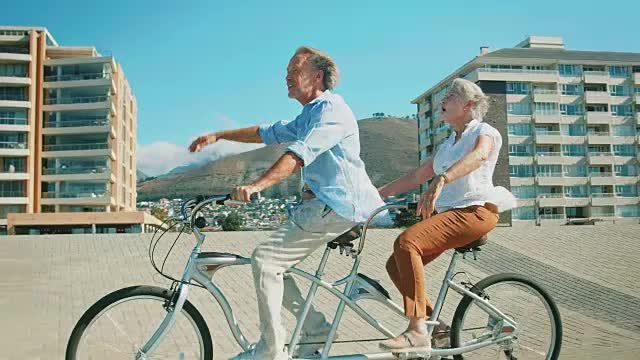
(47,282)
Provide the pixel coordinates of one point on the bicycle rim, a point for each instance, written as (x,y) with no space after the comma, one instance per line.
(536,324)
(123,327)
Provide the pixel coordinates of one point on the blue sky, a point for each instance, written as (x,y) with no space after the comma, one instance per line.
(209,65)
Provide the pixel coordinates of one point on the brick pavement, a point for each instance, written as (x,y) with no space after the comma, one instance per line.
(592,272)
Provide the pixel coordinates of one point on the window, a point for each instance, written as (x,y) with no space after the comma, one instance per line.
(520,170)
(524,213)
(13,93)
(621,110)
(520,150)
(519,108)
(624,150)
(619,90)
(549,170)
(636,90)
(625,170)
(579,191)
(524,192)
(571,109)
(573,150)
(519,129)
(575,171)
(546,108)
(517,88)
(628,210)
(15,70)
(569,70)
(618,71)
(570,89)
(624,130)
(597,107)
(626,190)
(573,129)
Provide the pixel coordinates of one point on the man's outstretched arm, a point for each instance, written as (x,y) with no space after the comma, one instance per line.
(282,169)
(245,135)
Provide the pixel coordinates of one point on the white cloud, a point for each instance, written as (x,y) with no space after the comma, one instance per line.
(160,157)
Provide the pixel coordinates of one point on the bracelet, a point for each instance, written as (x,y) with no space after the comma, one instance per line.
(446,178)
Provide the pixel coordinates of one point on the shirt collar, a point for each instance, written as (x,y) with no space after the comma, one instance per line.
(470,125)
(321,97)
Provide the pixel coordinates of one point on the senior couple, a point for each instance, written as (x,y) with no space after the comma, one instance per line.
(324,141)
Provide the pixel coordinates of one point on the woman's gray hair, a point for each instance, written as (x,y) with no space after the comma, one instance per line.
(470,91)
(321,61)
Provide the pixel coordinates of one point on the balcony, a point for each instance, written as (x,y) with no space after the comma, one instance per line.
(575,201)
(15,101)
(79,80)
(77,150)
(601,137)
(546,95)
(638,117)
(13,173)
(15,80)
(548,137)
(600,158)
(77,198)
(13,197)
(636,78)
(545,76)
(549,158)
(77,126)
(597,77)
(551,200)
(547,118)
(557,219)
(10,53)
(13,124)
(603,199)
(598,117)
(597,97)
(550,179)
(77,173)
(602,178)
(78,103)
(14,149)
(627,199)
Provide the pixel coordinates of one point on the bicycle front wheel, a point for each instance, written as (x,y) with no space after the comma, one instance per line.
(120,323)
(539,327)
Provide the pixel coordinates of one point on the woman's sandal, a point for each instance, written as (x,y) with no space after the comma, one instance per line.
(408,341)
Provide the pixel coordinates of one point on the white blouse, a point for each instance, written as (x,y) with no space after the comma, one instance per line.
(475,188)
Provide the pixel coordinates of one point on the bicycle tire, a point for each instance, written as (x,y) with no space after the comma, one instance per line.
(466,301)
(136,291)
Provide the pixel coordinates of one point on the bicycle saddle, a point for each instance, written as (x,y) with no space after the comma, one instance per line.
(347,237)
(473,245)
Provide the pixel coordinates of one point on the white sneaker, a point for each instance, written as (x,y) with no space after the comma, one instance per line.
(318,336)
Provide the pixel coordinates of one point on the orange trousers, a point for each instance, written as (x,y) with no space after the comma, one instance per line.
(423,242)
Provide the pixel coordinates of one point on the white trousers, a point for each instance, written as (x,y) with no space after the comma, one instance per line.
(311,225)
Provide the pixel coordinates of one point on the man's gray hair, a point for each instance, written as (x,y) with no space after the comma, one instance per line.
(470,91)
(321,61)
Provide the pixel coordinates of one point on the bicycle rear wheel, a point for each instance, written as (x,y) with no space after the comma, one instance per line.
(121,322)
(539,327)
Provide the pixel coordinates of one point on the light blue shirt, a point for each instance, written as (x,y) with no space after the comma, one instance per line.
(325,136)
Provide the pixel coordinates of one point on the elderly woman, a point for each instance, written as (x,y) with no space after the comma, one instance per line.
(463,195)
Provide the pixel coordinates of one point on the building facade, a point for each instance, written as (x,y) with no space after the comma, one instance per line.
(67,129)
(570,122)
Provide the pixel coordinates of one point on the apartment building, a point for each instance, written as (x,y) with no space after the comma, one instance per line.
(570,122)
(67,137)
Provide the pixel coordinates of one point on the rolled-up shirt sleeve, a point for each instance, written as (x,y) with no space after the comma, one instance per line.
(278,133)
(324,131)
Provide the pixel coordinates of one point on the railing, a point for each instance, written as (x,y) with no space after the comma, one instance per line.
(551,216)
(5,194)
(549,174)
(550,196)
(519,71)
(13,145)
(599,133)
(596,73)
(545,132)
(66,147)
(91,76)
(14,75)
(12,121)
(13,50)
(547,113)
(520,154)
(626,195)
(600,174)
(576,196)
(76,123)
(549,153)
(13,97)
(545,91)
(602,195)
(77,100)
(75,194)
(76,170)
(600,153)
(623,154)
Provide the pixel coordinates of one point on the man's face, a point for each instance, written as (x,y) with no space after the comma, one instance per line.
(302,79)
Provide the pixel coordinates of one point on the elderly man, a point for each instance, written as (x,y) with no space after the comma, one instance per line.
(323,140)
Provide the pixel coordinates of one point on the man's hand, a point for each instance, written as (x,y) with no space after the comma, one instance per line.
(427,203)
(198,144)
(243,193)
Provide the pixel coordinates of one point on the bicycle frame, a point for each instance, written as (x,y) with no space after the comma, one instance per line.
(201,270)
